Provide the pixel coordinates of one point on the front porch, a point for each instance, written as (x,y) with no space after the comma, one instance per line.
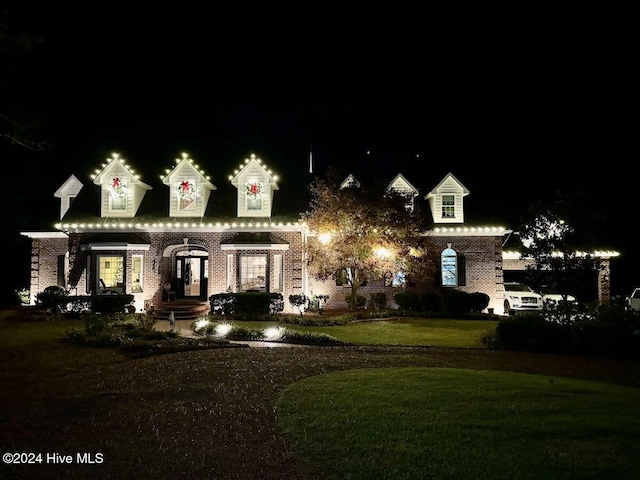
(182,308)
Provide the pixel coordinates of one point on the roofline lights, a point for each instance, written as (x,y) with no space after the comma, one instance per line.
(470,230)
(246,162)
(185,158)
(115,156)
(176,225)
(516,255)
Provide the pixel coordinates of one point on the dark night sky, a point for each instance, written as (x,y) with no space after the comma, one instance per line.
(515,119)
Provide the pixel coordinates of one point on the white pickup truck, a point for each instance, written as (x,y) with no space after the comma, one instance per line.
(633,302)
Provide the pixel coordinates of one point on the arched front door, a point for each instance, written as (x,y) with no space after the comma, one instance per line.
(192,267)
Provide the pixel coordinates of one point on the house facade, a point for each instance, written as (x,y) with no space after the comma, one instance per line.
(174,240)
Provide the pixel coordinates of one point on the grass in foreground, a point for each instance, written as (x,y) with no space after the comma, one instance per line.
(417,423)
(399,331)
(33,349)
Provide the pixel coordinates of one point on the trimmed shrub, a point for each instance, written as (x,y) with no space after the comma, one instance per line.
(431,302)
(606,338)
(309,338)
(249,305)
(252,305)
(478,301)
(53,298)
(530,331)
(317,303)
(378,300)
(115,303)
(407,300)
(310,320)
(222,303)
(361,301)
(457,302)
(299,301)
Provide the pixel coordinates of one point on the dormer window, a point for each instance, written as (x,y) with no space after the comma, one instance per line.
(256,184)
(187,193)
(189,188)
(67,194)
(446,200)
(402,186)
(118,195)
(254,191)
(121,189)
(448,206)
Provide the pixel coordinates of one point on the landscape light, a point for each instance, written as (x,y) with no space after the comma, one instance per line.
(223,329)
(273,333)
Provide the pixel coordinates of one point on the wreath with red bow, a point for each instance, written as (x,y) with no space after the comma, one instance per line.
(254,189)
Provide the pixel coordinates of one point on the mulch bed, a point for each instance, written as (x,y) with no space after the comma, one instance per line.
(211,413)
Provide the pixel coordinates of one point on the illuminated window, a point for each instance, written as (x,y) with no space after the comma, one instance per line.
(448,206)
(136,273)
(449,264)
(118,195)
(187,194)
(253,273)
(254,192)
(110,272)
(399,280)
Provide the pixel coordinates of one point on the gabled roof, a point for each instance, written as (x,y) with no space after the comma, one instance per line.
(187,163)
(113,162)
(447,177)
(406,185)
(350,181)
(254,162)
(71,185)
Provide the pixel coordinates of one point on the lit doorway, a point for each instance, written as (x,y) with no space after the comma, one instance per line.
(192,267)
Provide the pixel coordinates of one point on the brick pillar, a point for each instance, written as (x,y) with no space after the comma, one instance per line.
(604,283)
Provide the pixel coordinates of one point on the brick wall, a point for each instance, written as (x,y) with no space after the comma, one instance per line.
(484,268)
(160,266)
(44,263)
(483,255)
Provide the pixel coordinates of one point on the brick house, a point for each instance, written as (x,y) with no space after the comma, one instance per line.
(180,240)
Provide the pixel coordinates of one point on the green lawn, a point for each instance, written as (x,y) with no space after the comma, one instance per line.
(245,413)
(400,331)
(33,349)
(418,423)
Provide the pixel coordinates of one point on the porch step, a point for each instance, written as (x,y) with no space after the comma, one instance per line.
(182,309)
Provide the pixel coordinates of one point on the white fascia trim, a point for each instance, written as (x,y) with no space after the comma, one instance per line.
(44,234)
(116,246)
(469,231)
(254,246)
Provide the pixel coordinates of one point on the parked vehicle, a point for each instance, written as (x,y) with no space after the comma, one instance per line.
(556,298)
(633,301)
(519,298)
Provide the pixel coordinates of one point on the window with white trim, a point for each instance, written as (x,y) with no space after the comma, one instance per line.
(118,194)
(110,272)
(254,192)
(253,272)
(449,267)
(136,272)
(448,206)
(187,193)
